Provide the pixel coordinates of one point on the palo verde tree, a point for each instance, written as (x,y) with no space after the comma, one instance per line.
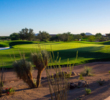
(26,34)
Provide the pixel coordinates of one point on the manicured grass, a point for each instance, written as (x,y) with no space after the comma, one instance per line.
(87,51)
(4,44)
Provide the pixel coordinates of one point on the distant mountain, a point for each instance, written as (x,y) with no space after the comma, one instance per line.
(88,33)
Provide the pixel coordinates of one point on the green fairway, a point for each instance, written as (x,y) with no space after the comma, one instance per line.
(87,51)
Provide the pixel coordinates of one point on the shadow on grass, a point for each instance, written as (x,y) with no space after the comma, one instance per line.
(85,55)
(84,52)
(107,43)
(19,42)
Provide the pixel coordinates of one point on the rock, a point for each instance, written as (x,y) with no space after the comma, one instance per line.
(72,85)
(73,74)
(82,83)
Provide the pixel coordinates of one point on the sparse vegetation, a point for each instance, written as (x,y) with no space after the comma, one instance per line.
(101,82)
(87,71)
(88,91)
(81,77)
(58,85)
(9,90)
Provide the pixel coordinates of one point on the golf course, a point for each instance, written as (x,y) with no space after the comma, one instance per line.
(62,53)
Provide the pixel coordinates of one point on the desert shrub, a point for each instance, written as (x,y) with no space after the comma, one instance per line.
(40,60)
(58,85)
(23,70)
(87,71)
(101,82)
(68,75)
(9,90)
(81,77)
(62,74)
(88,91)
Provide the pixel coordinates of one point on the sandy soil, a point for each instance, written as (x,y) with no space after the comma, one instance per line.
(23,92)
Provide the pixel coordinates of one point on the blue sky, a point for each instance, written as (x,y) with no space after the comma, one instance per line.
(55,16)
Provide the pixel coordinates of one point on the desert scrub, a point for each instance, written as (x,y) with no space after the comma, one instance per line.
(87,71)
(23,70)
(40,60)
(9,90)
(81,77)
(88,91)
(101,82)
(58,85)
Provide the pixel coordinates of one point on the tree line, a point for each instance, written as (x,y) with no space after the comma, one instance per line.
(28,34)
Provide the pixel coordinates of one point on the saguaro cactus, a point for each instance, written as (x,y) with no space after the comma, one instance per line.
(23,69)
(40,60)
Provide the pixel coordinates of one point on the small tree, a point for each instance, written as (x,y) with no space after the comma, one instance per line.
(40,60)
(43,36)
(14,36)
(78,36)
(91,38)
(26,34)
(65,36)
(83,34)
(98,36)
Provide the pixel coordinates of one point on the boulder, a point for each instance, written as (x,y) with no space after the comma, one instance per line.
(82,83)
(73,74)
(72,85)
